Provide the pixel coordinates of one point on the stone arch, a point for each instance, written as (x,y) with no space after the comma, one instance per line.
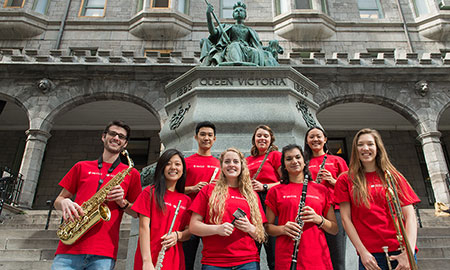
(441,112)
(396,106)
(16,101)
(98,96)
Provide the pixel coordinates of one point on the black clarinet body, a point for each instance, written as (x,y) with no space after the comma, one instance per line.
(299,222)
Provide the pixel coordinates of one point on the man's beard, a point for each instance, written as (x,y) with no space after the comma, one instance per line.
(112,150)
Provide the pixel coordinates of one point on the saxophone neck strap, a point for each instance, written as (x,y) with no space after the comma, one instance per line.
(110,170)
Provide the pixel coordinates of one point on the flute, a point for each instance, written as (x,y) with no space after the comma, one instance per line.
(216,170)
(161,254)
(300,222)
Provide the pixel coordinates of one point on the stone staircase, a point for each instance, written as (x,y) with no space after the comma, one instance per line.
(433,241)
(25,244)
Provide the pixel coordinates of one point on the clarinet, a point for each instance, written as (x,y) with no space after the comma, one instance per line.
(299,222)
(319,178)
(161,254)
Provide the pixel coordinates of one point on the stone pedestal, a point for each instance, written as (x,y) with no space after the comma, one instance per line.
(236,100)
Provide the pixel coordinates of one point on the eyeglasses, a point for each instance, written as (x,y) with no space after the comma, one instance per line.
(114,134)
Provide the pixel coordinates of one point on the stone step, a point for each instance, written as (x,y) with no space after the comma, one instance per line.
(434,252)
(43,265)
(437,232)
(54,226)
(433,264)
(429,242)
(430,220)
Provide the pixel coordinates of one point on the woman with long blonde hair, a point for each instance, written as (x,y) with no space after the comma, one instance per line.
(229,241)
(365,214)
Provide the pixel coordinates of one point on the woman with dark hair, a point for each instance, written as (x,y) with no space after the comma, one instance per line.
(361,194)
(266,159)
(156,208)
(317,214)
(316,151)
(229,240)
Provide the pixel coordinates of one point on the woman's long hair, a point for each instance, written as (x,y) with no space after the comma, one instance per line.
(219,196)
(356,171)
(254,151)
(159,180)
(308,151)
(284,172)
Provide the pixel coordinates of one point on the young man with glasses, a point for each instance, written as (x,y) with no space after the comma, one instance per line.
(97,248)
(201,168)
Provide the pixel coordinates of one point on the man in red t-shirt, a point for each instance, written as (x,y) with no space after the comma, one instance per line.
(97,248)
(201,168)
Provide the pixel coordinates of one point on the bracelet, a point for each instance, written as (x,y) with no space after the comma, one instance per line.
(321,223)
(126,205)
(176,232)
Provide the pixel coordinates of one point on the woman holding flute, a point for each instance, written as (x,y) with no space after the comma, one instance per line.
(157,207)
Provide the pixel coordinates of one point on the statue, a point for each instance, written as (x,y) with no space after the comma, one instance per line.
(236,44)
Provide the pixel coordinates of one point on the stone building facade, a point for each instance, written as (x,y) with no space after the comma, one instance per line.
(67,66)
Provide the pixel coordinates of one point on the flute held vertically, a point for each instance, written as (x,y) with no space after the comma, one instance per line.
(159,261)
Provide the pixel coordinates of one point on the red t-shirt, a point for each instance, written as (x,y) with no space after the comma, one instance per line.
(200,169)
(82,180)
(268,173)
(334,164)
(374,225)
(160,224)
(313,252)
(227,251)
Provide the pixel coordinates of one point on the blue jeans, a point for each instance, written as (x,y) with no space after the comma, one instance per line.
(381,260)
(82,262)
(245,266)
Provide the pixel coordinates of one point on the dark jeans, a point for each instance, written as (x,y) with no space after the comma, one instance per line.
(269,245)
(336,244)
(246,266)
(190,251)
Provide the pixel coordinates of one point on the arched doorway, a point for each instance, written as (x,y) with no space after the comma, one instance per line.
(76,135)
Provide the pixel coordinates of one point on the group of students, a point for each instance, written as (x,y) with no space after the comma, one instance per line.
(236,204)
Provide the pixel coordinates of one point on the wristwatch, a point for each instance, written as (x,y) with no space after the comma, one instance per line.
(266,187)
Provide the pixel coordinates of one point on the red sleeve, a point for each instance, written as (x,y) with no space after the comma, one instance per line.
(271,200)
(142,205)
(342,190)
(135,188)
(200,203)
(276,160)
(342,166)
(407,196)
(69,181)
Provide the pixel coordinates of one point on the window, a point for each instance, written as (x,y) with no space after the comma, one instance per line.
(14,3)
(281,6)
(160,3)
(40,6)
(369,9)
(183,6)
(227,8)
(421,7)
(93,8)
(162,53)
(303,4)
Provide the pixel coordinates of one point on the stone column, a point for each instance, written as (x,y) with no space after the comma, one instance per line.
(31,164)
(437,167)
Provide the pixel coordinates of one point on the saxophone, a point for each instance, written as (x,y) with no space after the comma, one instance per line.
(94,209)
